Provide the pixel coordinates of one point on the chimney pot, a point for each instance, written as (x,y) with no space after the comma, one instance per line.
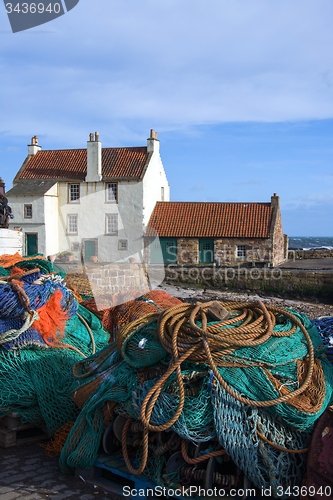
(91,137)
(2,186)
(96,136)
(153,143)
(275,194)
(33,148)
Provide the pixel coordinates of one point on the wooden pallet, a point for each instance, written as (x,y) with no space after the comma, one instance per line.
(14,433)
(111,473)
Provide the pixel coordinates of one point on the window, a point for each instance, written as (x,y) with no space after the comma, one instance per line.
(27,211)
(74,193)
(122,245)
(112,192)
(241,251)
(111,224)
(162,193)
(72,224)
(75,247)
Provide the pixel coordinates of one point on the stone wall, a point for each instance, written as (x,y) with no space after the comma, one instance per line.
(301,283)
(113,278)
(188,250)
(278,253)
(315,253)
(257,250)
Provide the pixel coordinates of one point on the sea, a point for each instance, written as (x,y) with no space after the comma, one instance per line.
(309,242)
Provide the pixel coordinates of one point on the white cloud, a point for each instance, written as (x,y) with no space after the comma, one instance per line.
(310,201)
(175,63)
(198,187)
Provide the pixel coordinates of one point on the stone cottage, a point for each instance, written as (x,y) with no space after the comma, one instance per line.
(222,233)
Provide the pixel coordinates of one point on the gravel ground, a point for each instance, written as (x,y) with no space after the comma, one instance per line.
(311,309)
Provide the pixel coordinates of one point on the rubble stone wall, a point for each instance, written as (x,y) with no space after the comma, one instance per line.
(188,250)
(277,280)
(315,253)
(113,278)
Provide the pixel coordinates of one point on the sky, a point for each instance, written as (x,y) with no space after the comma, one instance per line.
(240,93)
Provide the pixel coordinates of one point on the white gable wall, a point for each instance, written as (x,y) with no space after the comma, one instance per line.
(154,179)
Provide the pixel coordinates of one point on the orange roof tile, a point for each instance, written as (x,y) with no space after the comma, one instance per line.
(210,220)
(72,163)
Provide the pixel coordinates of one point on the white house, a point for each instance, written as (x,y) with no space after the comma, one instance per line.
(94,201)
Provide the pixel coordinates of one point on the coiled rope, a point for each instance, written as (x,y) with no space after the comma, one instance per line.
(210,344)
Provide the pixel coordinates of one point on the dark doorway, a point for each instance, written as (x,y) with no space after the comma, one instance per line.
(31,243)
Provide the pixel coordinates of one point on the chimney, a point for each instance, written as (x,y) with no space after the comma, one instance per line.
(33,148)
(275,200)
(153,144)
(2,186)
(94,159)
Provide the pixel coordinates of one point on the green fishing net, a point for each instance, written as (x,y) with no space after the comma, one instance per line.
(37,383)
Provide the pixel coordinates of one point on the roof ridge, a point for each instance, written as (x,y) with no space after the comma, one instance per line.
(85,149)
(216,202)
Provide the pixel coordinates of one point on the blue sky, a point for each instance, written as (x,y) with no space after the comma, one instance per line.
(240,93)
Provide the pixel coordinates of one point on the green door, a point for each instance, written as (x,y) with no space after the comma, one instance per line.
(31,242)
(206,251)
(89,249)
(156,256)
(169,250)
(163,250)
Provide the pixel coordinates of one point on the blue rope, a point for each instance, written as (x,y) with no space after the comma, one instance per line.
(11,307)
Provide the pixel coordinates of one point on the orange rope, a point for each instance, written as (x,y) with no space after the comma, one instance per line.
(189,460)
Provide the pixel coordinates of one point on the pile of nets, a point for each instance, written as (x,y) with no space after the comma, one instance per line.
(325,328)
(7,262)
(120,308)
(253,383)
(44,332)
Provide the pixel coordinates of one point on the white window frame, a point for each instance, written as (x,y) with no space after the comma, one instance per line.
(69,223)
(109,192)
(241,251)
(75,246)
(121,243)
(107,226)
(70,200)
(25,211)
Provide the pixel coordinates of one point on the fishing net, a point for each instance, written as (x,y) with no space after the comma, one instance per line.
(56,444)
(44,332)
(176,370)
(34,307)
(152,302)
(266,466)
(8,262)
(325,328)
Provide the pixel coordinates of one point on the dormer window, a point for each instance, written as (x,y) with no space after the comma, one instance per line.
(73,193)
(112,192)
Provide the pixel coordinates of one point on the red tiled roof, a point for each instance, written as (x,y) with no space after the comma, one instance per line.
(72,163)
(210,220)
